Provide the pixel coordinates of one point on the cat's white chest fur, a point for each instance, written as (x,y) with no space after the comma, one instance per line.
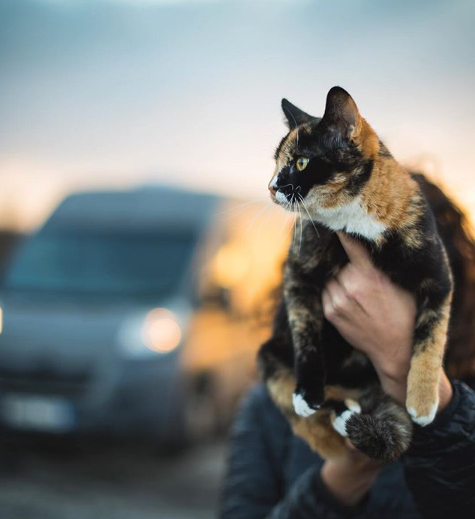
(352,218)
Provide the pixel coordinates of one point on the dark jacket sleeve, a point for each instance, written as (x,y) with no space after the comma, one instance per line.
(254,483)
(440,466)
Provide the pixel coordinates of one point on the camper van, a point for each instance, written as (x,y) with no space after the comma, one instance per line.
(132,313)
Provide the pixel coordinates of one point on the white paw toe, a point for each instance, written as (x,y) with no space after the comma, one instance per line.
(301,407)
(423,420)
(339,423)
(353,406)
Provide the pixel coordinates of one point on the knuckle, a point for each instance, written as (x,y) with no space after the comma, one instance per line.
(352,287)
(338,305)
(353,290)
(348,281)
(331,284)
(328,311)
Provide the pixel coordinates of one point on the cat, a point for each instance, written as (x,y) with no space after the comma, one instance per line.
(338,174)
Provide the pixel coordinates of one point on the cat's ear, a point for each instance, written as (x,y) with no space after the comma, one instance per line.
(295,117)
(341,113)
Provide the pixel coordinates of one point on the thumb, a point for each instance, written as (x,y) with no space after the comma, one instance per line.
(356,252)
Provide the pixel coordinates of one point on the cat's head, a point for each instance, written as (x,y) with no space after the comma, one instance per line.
(324,161)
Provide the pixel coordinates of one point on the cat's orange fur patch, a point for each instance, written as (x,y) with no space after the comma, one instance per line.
(281,388)
(316,429)
(319,433)
(342,393)
(366,138)
(426,364)
(391,195)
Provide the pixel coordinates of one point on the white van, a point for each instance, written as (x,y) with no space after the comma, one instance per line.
(128,313)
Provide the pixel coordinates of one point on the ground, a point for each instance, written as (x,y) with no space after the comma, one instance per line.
(84,482)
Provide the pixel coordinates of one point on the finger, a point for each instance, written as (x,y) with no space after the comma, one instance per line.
(334,302)
(356,252)
(336,293)
(344,278)
(350,281)
(327,303)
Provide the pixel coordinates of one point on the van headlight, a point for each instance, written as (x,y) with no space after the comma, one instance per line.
(156,333)
(160,331)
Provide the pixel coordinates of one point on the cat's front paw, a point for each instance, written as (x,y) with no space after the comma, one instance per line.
(422,412)
(300,405)
(304,405)
(339,421)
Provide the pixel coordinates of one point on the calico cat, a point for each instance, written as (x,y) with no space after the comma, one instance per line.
(341,177)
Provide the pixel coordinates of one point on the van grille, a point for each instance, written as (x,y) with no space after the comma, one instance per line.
(44,381)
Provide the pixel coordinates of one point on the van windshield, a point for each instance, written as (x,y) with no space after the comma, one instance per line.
(103,263)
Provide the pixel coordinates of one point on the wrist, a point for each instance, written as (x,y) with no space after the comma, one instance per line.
(446,391)
(395,387)
(393,379)
(348,481)
(394,383)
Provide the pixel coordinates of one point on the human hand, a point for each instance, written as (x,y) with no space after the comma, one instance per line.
(377,317)
(349,477)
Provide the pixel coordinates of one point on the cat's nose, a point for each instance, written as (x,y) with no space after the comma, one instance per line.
(273,185)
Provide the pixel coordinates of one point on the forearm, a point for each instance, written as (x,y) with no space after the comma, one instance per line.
(440,465)
(310,498)
(349,482)
(253,488)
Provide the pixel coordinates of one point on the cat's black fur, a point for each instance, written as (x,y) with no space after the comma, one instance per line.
(306,355)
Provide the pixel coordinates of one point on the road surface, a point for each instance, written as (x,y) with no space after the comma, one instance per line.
(120,482)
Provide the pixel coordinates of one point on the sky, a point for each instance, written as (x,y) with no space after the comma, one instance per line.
(125,92)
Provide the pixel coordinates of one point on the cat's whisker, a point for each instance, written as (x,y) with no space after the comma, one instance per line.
(242,206)
(299,221)
(295,221)
(289,217)
(310,218)
(301,226)
(255,218)
(292,224)
(264,223)
(288,223)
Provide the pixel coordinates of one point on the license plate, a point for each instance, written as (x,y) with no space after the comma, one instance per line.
(38,413)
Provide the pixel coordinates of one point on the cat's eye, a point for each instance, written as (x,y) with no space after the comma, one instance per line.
(301,163)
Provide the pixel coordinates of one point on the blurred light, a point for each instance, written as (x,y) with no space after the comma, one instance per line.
(160,331)
(230,266)
(1,319)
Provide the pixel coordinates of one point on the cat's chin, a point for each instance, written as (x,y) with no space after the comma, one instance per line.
(282,201)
